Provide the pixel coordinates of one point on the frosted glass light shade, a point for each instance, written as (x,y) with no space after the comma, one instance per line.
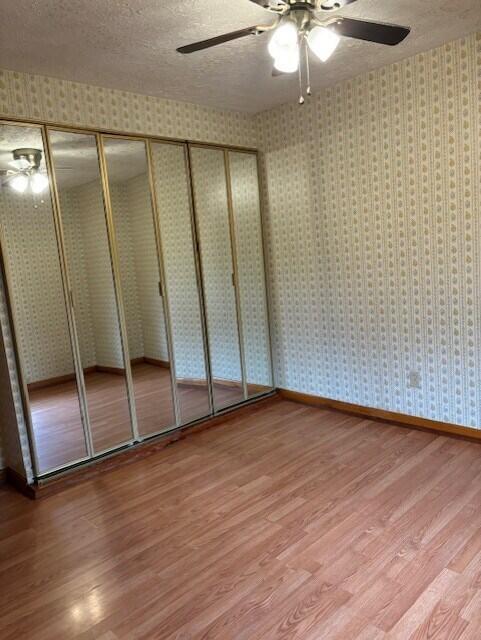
(19,183)
(284,36)
(322,42)
(287,60)
(38,182)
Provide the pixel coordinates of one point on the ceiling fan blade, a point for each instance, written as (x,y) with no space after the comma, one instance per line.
(380,32)
(212,42)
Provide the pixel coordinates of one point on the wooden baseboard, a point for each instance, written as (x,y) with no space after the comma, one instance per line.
(156,363)
(191,382)
(401,419)
(116,371)
(51,382)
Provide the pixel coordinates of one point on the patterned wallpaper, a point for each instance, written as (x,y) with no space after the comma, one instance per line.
(373,201)
(48,99)
(37,293)
(108,343)
(121,212)
(77,260)
(172,194)
(146,268)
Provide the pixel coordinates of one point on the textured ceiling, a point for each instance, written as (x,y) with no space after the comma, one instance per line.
(130,45)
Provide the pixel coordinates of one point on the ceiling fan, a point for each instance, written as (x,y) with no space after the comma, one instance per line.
(26,171)
(307,24)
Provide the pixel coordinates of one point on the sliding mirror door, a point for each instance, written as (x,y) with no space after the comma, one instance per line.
(94,295)
(142,289)
(250,269)
(171,185)
(218,274)
(38,294)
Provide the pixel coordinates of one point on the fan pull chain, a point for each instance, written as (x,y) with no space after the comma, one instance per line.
(301,97)
(308,71)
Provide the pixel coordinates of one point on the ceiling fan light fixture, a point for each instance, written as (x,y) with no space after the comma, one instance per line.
(19,183)
(322,42)
(38,182)
(285,36)
(287,61)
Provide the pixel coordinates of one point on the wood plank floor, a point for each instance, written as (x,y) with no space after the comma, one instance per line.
(283,522)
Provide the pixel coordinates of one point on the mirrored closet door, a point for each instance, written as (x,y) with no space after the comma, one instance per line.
(141,281)
(93,292)
(247,231)
(134,273)
(218,275)
(172,193)
(39,299)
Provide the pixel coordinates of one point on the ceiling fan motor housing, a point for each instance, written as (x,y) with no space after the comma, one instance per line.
(33,156)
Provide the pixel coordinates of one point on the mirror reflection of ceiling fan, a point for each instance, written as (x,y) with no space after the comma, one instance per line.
(26,172)
(307,24)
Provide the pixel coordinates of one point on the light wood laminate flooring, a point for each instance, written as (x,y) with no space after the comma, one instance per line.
(282,522)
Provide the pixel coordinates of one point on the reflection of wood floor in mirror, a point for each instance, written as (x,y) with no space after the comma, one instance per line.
(56,417)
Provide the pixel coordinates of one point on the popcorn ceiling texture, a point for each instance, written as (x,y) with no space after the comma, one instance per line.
(373,215)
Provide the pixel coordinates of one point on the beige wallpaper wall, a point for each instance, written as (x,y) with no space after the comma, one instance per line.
(134,224)
(212,214)
(172,194)
(250,267)
(48,99)
(36,286)
(373,193)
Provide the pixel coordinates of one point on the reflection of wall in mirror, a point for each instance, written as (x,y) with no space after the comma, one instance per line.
(175,227)
(213,223)
(250,263)
(138,271)
(37,293)
(36,286)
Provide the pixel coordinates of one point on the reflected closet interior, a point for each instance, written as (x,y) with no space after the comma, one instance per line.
(134,272)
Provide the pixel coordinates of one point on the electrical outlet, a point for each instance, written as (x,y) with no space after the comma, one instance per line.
(414,380)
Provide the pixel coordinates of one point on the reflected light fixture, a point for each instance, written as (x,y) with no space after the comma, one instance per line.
(38,182)
(19,182)
(26,171)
